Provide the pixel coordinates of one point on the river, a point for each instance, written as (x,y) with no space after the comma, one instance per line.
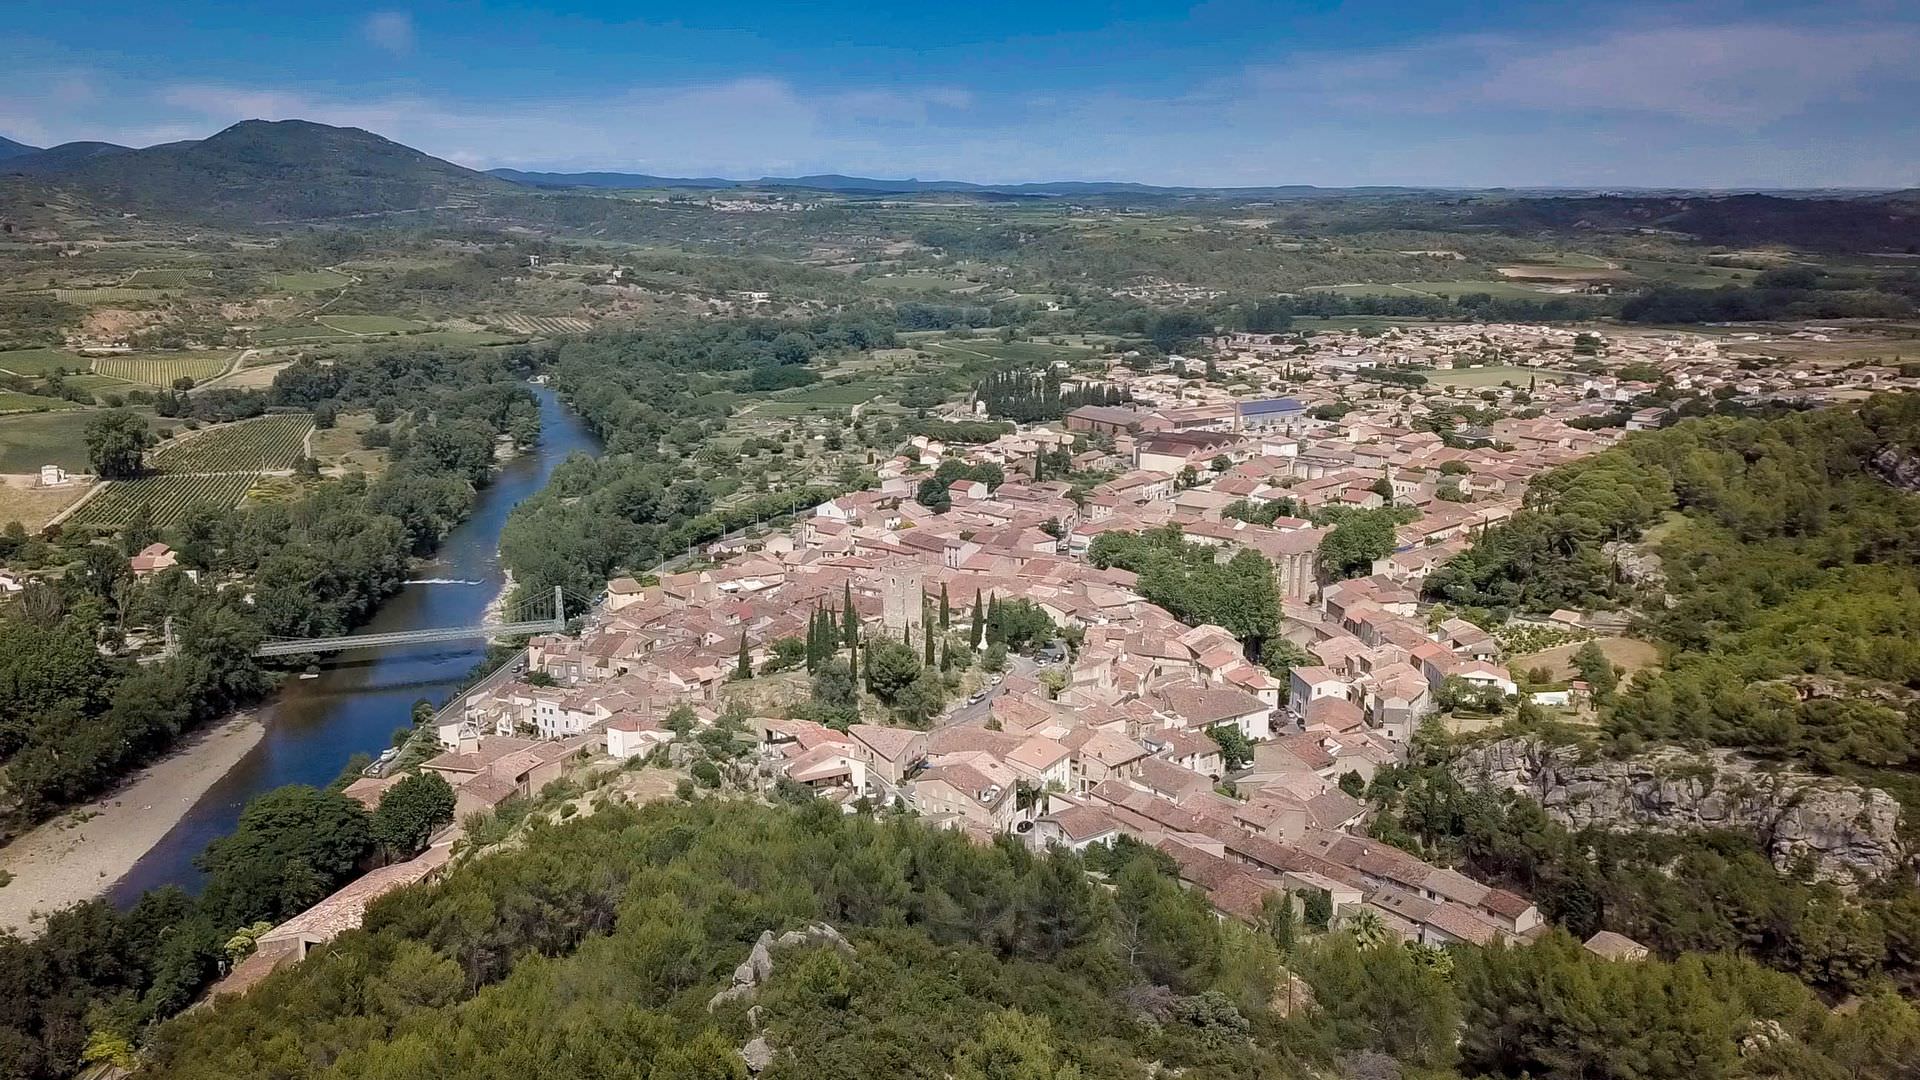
(314,725)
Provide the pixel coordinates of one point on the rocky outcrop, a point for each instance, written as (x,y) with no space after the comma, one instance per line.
(754,971)
(1637,565)
(1848,831)
(1898,467)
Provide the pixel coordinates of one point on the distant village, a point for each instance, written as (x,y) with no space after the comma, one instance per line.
(1107,731)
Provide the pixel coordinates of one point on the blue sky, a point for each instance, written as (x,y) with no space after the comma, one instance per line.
(1468,93)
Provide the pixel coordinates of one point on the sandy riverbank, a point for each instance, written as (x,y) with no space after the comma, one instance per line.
(69,859)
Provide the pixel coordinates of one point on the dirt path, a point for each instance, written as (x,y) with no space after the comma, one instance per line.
(80,854)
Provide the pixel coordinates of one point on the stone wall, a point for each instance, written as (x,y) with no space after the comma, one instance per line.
(1848,831)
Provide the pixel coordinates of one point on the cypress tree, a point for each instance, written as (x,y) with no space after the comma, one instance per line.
(978,623)
(853,664)
(744,670)
(849,618)
(813,640)
(927,635)
(945,611)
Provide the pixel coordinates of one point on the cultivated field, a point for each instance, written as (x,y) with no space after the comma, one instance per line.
(1628,653)
(161,369)
(262,444)
(167,498)
(35,362)
(167,278)
(15,402)
(298,334)
(32,506)
(1502,289)
(108,294)
(30,440)
(544,325)
(98,384)
(1020,352)
(370,324)
(308,281)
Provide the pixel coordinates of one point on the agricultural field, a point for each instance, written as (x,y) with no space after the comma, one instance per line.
(259,445)
(1629,653)
(472,338)
(167,278)
(853,393)
(299,334)
(544,326)
(33,506)
(30,440)
(370,324)
(1491,375)
(167,498)
(15,402)
(36,362)
(98,384)
(108,294)
(161,369)
(304,281)
(338,447)
(1020,352)
(1502,289)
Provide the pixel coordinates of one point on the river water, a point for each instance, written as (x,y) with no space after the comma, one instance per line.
(361,697)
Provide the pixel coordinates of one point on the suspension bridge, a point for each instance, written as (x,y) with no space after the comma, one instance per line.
(554,623)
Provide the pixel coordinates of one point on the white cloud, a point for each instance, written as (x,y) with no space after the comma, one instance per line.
(1724,105)
(389,30)
(1737,74)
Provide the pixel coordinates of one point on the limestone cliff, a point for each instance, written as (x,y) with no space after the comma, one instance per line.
(1847,830)
(1897,466)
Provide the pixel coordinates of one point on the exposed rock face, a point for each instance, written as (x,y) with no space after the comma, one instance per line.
(758,966)
(758,1054)
(1898,467)
(1847,830)
(1637,564)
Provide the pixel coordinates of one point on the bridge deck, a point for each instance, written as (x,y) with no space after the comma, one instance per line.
(407,637)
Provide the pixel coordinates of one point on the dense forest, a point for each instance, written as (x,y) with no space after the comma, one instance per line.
(1786,602)
(657,397)
(1788,550)
(91,985)
(597,948)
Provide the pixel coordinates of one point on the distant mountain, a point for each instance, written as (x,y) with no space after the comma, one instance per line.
(11,149)
(260,171)
(866,185)
(1878,222)
(58,159)
(610,180)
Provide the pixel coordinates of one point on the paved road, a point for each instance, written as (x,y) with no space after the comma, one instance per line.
(975,714)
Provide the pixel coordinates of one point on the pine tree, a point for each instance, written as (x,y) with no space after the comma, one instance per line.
(849,618)
(945,611)
(744,670)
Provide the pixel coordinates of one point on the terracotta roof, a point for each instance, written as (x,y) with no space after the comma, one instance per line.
(890,743)
(1080,823)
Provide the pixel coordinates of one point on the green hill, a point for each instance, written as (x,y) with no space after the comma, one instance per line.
(261,171)
(604,947)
